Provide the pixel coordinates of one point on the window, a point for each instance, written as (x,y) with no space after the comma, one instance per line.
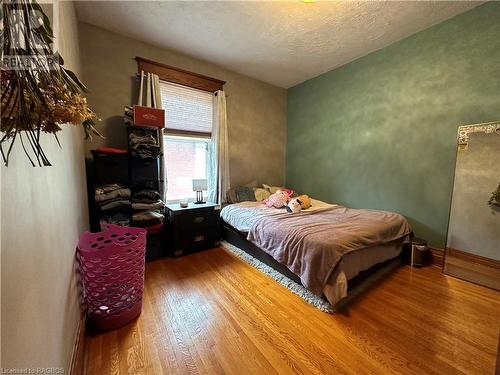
(186,159)
(187,138)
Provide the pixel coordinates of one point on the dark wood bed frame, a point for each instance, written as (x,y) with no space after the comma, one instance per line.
(238,239)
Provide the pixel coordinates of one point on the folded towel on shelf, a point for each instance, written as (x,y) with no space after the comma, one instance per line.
(144,146)
(151,205)
(108,188)
(108,192)
(115,204)
(146,194)
(146,140)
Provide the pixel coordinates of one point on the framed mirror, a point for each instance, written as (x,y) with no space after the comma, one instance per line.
(473,240)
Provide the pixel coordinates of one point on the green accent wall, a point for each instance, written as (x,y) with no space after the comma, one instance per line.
(380,132)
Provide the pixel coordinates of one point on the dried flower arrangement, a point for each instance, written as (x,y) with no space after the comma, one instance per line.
(39,96)
(495,198)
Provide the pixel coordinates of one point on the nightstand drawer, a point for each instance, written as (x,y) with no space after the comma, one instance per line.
(199,219)
(195,241)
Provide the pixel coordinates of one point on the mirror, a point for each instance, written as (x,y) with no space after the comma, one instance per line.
(473,240)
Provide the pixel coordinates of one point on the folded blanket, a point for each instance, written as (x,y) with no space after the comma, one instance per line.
(148,206)
(144,146)
(104,196)
(146,194)
(107,188)
(147,215)
(312,243)
(119,204)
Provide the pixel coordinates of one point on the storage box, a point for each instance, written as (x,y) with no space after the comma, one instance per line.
(147,116)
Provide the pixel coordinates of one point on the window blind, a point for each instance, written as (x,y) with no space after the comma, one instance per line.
(187,111)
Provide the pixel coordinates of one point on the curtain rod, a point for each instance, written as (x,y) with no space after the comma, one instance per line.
(138,76)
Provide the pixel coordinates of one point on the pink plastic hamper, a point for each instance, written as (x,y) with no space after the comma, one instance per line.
(111,266)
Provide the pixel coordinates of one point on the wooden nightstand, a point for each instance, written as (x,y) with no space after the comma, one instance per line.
(192,229)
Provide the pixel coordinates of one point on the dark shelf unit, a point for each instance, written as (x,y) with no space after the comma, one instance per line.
(144,173)
(104,169)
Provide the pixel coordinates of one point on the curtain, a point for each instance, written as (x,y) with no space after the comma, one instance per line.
(218,179)
(153,99)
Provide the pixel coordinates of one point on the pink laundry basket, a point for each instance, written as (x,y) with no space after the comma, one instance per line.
(111,266)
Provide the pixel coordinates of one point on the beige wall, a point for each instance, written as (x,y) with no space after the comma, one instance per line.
(256,110)
(43,212)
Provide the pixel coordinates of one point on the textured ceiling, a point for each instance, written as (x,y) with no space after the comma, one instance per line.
(280,42)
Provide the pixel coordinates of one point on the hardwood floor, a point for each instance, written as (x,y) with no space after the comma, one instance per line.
(211,313)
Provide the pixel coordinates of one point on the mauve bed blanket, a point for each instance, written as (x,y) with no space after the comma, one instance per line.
(311,244)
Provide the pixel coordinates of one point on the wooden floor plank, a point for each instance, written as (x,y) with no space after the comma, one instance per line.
(211,313)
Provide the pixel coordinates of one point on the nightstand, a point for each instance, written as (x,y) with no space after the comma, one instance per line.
(192,229)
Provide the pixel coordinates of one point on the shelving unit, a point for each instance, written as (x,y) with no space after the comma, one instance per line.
(144,175)
(137,174)
(102,170)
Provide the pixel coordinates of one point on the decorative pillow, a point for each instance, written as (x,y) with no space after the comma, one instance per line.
(240,194)
(245,193)
(261,194)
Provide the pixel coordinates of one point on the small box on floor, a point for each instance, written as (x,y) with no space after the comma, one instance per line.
(418,252)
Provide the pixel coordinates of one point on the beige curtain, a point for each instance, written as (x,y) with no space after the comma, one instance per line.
(151,89)
(219,173)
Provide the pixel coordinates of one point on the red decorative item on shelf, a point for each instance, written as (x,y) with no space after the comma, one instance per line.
(111,266)
(147,116)
(110,150)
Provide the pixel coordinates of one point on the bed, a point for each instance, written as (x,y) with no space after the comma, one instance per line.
(326,248)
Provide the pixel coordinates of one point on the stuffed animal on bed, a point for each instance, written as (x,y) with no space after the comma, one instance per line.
(294,206)
(305,201)
(277,200)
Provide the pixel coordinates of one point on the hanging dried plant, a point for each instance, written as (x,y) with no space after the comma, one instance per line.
(495,198)
(39,95)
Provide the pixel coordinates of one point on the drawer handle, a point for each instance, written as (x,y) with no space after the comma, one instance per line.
(200,219)
(199,238)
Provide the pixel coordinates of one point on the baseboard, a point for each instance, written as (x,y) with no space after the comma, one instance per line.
(473,268)
(436,257)
(77,366)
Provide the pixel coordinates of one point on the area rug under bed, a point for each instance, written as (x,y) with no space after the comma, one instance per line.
(304,293)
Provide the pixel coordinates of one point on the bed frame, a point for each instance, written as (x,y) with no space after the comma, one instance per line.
(238,239)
